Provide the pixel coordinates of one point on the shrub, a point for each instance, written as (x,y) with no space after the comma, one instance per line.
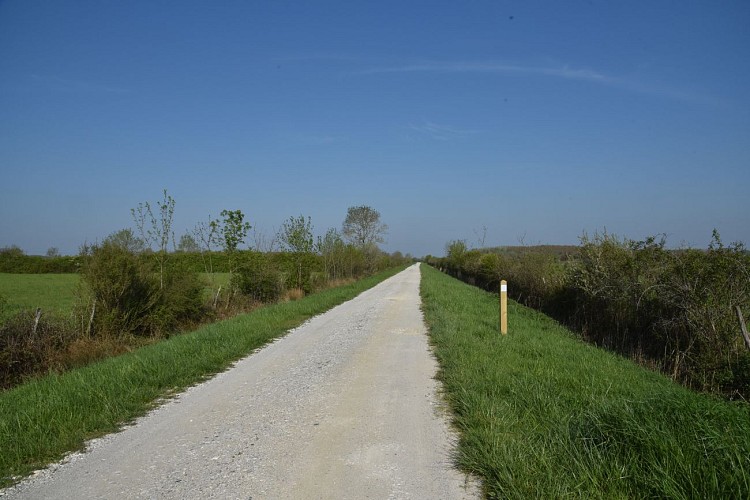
(24,351)
(260,280)
(179,302)
(131,297)
(701,291)
(318,281)
(616,283)
(122,289)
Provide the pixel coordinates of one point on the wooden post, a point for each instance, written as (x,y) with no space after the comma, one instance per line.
(503,307)
(216,299)
(37,317)
(91,319)
(743,328)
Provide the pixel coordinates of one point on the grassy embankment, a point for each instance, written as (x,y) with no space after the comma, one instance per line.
(541,414)
(45,418)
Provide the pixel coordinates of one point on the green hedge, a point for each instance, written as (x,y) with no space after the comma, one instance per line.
(16,263)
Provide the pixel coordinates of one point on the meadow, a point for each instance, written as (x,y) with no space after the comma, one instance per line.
(541,414)
(56,292)
(50,292)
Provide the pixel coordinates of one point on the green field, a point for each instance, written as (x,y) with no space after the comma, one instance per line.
(543,415)
(50,292)
(56,292)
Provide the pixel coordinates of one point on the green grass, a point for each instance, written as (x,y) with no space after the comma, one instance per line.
(51,292)
(45,418)
(56,292)
(541,414)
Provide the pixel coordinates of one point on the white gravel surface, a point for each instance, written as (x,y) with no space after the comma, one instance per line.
(344,406)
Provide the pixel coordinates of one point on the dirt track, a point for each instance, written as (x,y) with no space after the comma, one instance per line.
(343,407)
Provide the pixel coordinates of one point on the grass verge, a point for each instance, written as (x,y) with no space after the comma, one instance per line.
(541,414)
(45,418)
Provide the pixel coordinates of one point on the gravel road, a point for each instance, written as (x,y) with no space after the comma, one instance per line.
(344,406)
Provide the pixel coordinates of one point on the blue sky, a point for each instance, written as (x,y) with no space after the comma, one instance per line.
(537,120)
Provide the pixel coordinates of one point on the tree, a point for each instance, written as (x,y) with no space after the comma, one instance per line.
(188,244)
(233,231)
(455,249)
(12,251)
(362,227)
(481,235)
(53,252)
(206,236)
(127,240)
(296,236)
(156,232)
(331,247)
(262,243)
(455,253)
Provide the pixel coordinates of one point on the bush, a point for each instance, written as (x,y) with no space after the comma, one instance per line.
(24,352)
(259,279)
(180,302)
(701,291)
(123,291)
(128,302)
(674,307)
(129,297)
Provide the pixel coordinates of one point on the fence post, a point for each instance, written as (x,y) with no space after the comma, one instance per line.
(503,307)
(91,319)
(37,317)
(743,328)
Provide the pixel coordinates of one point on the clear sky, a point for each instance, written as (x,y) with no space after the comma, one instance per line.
(537,120)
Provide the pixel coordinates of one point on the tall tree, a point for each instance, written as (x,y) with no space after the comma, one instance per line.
(207,236)
(127,240)
(156,231)
(296,235)
(331,247)
(233,231)
(363,228)
(188,244)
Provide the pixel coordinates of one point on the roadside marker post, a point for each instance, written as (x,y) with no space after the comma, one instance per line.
(504,307)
